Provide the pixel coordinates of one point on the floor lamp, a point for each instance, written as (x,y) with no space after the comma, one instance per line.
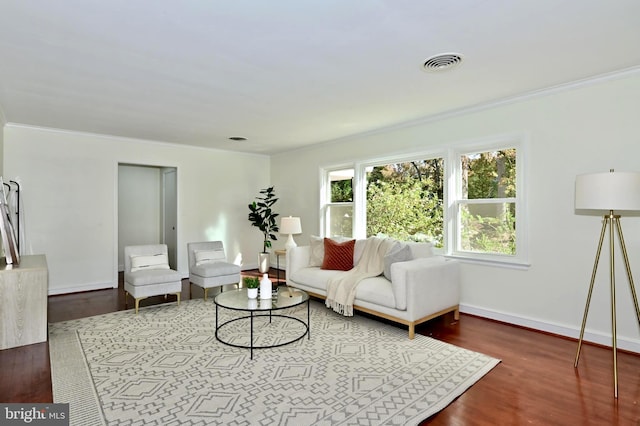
(610,192)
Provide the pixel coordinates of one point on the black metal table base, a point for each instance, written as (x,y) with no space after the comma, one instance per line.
(254,314)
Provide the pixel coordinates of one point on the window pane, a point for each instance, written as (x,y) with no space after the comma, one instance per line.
(489,174)
(405,200)
(340,220)
(488,228)
(341,183)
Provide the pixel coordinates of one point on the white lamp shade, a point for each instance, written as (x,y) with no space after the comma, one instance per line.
(290,225)
(608,191)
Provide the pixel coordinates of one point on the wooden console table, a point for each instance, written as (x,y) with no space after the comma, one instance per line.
(23,307)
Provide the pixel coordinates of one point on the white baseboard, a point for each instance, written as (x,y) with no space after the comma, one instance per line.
(250,266)
(82,287)
(89,287)
(574,333)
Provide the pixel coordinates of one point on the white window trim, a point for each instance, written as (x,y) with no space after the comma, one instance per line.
(325,197)
(360,224)
(452,174)
(359,202)
(454,187)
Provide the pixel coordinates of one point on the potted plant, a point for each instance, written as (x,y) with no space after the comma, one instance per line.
(252,284)
(262,216)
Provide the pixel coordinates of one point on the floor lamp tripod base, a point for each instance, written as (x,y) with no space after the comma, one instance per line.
(609,222)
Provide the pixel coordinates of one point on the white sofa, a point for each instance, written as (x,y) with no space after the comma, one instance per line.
(420,289)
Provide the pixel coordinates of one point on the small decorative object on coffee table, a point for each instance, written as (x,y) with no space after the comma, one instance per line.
(252,284)
(265,287)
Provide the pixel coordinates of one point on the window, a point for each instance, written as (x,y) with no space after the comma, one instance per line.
(469,203)
(404,200)
(486,205)
(339,208)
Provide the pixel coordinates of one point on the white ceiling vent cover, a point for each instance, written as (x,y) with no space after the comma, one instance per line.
(442,62)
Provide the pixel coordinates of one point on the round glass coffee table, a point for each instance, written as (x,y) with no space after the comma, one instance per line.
(237,300)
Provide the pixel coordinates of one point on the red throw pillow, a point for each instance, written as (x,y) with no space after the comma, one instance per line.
(338,256)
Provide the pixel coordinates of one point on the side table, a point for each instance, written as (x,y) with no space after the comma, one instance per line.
(278,254)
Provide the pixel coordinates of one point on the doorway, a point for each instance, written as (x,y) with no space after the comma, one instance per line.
(170,214)
(147,208)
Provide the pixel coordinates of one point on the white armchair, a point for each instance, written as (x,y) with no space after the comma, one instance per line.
(209,268)
(147,273)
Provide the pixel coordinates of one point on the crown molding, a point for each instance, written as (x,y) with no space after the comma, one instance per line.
(585,82)
(126,139)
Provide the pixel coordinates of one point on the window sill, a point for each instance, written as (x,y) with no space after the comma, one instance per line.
(501,263)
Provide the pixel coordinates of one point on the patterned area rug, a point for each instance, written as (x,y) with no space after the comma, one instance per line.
(165,367)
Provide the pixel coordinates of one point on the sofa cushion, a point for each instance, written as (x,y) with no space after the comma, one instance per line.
(152,277)
(358,250)
(316,248)
(376,290)
(400,252)
(208,256)
(316,253)
(420,249)
(315,277)
(215,269)
(338,256)
(154,261)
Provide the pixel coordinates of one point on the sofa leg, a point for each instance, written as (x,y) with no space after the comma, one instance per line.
(456,314)
(412,331)
(206,290)
(178,294)
(137,305)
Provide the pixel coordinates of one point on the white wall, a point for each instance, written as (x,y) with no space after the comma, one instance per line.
(69,184)
(69,187)
(2,123)
(587,128)
(139,207)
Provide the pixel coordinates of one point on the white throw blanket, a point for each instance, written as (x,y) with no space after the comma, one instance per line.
(341,290)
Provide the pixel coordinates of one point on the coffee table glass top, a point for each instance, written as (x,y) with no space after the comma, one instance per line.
(238,300)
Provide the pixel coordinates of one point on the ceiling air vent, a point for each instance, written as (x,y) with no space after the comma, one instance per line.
(441,62)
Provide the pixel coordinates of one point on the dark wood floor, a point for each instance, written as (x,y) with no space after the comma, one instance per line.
(535,384)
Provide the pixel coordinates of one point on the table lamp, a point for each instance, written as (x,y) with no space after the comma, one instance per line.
(290,225)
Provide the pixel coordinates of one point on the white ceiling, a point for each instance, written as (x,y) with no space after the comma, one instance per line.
(289,73)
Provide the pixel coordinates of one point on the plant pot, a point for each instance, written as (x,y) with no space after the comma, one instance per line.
(252,293)
(252,303)
(263,262)
(266,304)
